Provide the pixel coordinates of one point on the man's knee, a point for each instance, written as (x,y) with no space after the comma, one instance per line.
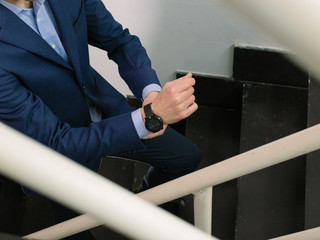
(189,160)
(194,156)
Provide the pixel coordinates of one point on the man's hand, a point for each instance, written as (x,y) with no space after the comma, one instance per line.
(176,100)
(173,103)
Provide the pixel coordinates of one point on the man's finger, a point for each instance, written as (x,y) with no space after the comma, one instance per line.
(192,108)
(188,75)
(189,101)
(187,93)
(182,84)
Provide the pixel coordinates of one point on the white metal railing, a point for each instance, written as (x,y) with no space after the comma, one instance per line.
(259,158)
(203,209)
(44,170)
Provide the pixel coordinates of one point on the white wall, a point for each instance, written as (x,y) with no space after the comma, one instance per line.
(189,35)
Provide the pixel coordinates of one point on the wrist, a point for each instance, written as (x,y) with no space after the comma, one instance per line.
(150,97)
(143,115)
(138,122)
(150,88)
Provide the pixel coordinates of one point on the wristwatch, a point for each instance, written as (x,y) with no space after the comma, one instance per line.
(153,122)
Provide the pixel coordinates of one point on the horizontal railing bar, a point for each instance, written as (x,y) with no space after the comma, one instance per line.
(63,180)
(278,151)
(311,234)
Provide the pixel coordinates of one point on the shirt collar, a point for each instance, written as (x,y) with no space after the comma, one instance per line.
(37,4)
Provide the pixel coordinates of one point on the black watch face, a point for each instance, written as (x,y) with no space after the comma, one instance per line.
(154,124)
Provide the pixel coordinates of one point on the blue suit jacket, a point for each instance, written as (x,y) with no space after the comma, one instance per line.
(44,97)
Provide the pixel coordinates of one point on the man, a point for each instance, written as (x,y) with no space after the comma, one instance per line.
(49,91)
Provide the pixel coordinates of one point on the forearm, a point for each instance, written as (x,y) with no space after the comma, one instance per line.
(108,137)
(122,47)
(26,112)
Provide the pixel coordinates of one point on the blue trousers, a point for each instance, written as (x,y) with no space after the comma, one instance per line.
(170,156)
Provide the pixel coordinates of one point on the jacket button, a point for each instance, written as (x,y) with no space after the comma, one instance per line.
(83,86)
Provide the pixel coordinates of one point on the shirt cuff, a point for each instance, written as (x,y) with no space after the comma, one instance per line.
(139,124)
(150,88)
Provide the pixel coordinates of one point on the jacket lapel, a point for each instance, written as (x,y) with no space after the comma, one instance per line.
(68,37)
(15,32)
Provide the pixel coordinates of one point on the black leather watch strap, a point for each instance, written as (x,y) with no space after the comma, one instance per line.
(153,122)
(147,110)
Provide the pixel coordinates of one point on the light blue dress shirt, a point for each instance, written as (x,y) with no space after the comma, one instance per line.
(40,18)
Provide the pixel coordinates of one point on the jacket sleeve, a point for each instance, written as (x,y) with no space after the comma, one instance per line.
(123,48)
(24,111)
